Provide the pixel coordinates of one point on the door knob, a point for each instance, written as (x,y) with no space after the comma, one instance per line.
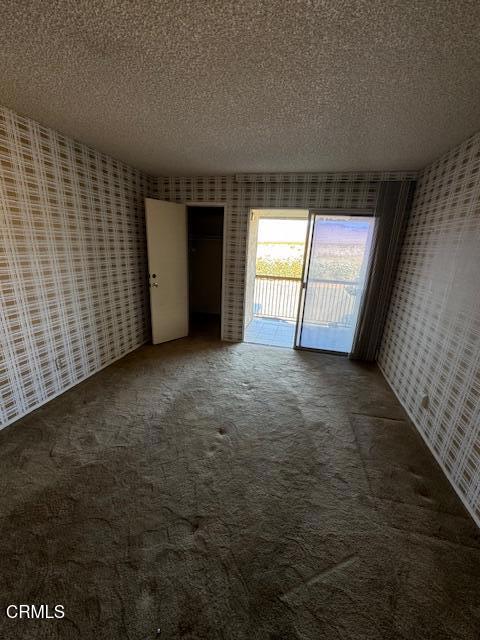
(154,284)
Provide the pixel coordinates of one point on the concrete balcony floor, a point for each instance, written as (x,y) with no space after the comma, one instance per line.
(277,332)
(274,332)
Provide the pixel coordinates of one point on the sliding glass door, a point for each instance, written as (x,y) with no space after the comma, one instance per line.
(335,272)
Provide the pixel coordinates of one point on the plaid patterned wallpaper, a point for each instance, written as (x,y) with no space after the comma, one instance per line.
(431,343)
(73,258)
(73,266)
(72,263)
(244,192)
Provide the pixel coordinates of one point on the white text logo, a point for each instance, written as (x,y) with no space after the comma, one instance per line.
(35,611)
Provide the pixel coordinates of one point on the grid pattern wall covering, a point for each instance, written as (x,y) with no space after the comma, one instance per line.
(431,343)
(72,263)
(73,252)
(241,193)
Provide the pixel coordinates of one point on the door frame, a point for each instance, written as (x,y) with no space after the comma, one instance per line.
(223,205)
(312,212)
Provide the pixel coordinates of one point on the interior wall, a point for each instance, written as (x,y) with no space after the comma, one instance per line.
(72,263)
(73,252)
(431,343)
(242,193)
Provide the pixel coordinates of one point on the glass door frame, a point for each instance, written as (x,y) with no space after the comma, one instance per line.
(312,213)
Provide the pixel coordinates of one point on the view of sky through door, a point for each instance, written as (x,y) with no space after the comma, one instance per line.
(335,276)
(335,280)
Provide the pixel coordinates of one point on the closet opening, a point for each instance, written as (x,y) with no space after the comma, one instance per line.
(205,267)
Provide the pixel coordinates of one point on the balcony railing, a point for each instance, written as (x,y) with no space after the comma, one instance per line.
(329,302)
(276,297)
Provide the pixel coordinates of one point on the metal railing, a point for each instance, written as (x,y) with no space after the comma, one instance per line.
(276,297)
(329,302)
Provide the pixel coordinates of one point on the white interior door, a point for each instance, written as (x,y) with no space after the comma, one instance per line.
(168,269)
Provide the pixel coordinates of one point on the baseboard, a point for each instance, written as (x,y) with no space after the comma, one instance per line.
(467,506)
(70,386)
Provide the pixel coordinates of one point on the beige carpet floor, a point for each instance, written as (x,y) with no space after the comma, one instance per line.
(233,492)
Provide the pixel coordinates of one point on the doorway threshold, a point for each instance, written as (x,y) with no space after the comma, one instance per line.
(272,332)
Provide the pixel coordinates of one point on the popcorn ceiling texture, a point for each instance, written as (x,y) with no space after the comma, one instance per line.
(72,263)
(220,87)
(431,343)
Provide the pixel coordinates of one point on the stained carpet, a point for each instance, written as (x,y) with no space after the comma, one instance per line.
(233,492)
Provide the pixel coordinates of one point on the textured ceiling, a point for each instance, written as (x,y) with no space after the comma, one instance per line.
(215,87)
